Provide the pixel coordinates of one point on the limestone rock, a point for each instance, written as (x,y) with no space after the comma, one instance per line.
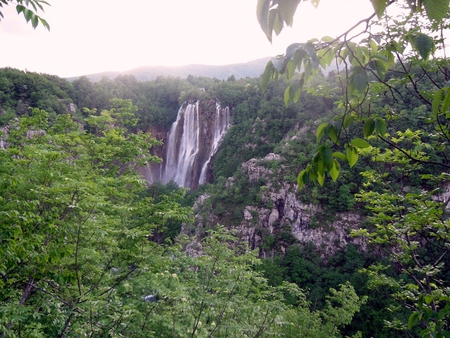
(281,214)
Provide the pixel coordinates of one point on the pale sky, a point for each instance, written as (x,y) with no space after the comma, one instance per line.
(90,36)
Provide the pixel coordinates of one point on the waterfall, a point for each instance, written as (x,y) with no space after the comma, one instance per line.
(192,141)
(182,146)
(221,125)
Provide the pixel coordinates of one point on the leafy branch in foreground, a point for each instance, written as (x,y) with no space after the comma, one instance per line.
(69,235)
(28,8)
(363,69)
(393,110)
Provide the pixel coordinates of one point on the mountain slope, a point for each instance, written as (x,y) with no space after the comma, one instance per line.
(239,70)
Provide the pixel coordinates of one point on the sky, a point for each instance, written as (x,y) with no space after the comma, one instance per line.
(91,36)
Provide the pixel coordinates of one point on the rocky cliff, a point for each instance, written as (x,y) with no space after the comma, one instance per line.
(280,218)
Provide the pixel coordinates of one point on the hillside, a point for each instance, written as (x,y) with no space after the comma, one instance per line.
(310,237)
(239,70)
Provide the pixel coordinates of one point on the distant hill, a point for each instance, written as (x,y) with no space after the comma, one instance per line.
(239,70)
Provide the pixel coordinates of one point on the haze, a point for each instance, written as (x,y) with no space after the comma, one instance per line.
(110,35)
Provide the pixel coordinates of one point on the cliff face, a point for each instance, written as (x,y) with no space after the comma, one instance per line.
(190,145)
(281,217)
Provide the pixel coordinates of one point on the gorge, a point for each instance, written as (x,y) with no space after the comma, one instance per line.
(70,186)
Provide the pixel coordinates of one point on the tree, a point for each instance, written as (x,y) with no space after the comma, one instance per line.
(215,291)
(397,72)
(77,256)
(363,67)
(72,232)
(29,8)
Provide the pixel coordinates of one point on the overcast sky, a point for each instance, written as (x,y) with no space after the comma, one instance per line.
(90,36)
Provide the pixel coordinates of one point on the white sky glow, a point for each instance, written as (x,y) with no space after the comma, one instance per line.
(90,36)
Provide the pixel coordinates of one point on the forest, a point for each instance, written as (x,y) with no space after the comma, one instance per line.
(90,249)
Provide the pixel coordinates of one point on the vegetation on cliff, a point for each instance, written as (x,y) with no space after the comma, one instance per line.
(254,113)
(409,222)
(87,248)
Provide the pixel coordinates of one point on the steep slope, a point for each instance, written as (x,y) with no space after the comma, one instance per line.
(274,215)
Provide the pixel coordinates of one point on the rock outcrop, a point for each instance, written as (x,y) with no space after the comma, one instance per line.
(285,212)
(282,217)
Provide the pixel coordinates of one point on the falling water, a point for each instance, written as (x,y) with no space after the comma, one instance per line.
(182,146)
(221,125)
(192,141)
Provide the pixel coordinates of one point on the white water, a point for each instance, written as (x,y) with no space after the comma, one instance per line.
(221,125)
(184,145)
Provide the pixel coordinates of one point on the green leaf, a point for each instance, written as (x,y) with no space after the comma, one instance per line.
(424,45)
(352,155)
(326,155)
(320,178)
(312,174)
(262,13)
(311,50)
(320,131)
(348,120)
(369,127)
(276,20)
(279,63)
(413,319)
(45,23)
(379,6)
(308,70)
(335,170)
(380,126)
(446,103)
(380,66)
(302,178)
(292,49)
(436,9)
(299,56)
(27,14)
(325,57)
(374,44)
(290,69)
(287,10)
(20,9)
(437,99)
(360,81)
(320,166)
(428,299)
(360,143)
(333,134)
(34,20)
(298,86)
(338,154)
(267,75)
(287,94)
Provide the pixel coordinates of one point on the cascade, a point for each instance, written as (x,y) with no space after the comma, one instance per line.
(182,146)
(221,125)
(192,141)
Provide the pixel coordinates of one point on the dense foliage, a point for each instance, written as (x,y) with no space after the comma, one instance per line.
(408,142)
(99,142)
(87,249)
